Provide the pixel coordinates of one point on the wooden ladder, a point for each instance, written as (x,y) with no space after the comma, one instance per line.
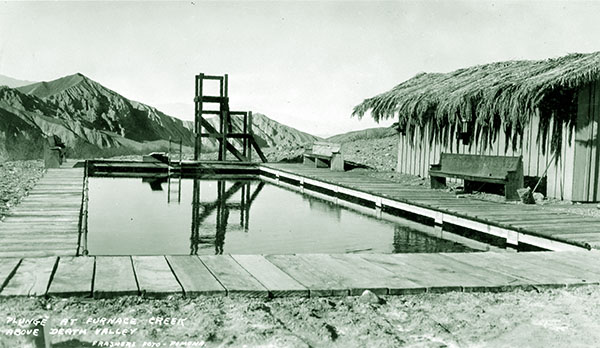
(226,129)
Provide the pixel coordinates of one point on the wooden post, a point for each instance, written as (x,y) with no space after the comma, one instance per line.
(180,169)
(245,139)
(226,121)
(169,153)
(247,208)
(242,205)
(169,172)
(195,213)
(198,117)
(249,144)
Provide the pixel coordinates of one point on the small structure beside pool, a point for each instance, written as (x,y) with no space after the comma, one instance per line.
(546,111)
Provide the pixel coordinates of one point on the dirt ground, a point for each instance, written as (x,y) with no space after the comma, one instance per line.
(549,318)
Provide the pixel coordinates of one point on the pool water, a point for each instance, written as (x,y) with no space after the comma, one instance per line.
(132,216)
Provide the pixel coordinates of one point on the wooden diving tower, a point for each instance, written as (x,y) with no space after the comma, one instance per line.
(227,129)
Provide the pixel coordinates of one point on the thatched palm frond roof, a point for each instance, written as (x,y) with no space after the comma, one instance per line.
(510,92)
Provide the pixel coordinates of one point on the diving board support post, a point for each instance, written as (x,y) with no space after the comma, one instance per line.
(225,130)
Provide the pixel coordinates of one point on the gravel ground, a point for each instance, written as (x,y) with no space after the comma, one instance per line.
(380,154)
(16,179)
(549,318)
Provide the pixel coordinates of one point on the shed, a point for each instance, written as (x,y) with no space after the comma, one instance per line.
(546,111)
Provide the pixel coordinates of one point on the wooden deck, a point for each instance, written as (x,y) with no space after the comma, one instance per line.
(39,239)
(294,275)
(45,223)
(515,223)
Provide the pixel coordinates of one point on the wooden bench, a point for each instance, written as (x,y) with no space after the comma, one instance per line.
(477,168)
(324,155)
(54,151)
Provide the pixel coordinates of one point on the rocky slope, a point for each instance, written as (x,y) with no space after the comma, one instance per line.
(90,117)
(80,99)
(365,134)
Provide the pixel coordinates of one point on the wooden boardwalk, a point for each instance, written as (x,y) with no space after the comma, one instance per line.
(45,223)
(39,240)
(294,275)
(516,223)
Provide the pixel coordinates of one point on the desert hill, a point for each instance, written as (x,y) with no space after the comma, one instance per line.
(13,83)
(89,116)
(369,133)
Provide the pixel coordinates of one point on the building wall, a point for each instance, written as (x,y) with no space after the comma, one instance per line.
(586,183)
(565,178)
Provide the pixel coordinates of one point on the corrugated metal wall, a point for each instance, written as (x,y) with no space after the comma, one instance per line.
(416,157)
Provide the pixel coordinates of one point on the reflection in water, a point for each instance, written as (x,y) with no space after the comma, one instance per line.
(155,182)
(202,210)
(127,217)
(326,207)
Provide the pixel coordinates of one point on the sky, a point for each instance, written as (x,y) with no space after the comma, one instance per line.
(305,64)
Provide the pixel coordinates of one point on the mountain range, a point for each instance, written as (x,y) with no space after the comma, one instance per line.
(92,119)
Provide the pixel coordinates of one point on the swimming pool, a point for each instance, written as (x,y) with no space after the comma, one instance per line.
(157,216)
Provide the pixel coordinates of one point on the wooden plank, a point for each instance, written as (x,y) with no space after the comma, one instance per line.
(426,279)
(573,228)
(29,236)
(509,264)
(586,236)
(7,268)
(29,219)
(48,242)
(498,280)
(16,230)
(55,191)
(52,198)
(114,277)
(31,277)
(73,277)
(45,210)
(37,224)
(233,277)
(377,277)
(491,210)
(35,253)
(573,275)
(279,283)
(59,214)
(57,195)
(353,279)
(154,276)
(532,216)
(582,260)
(561,221)
(318,282)
(559,226)
(451,273)
(194,277)
(38,206)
